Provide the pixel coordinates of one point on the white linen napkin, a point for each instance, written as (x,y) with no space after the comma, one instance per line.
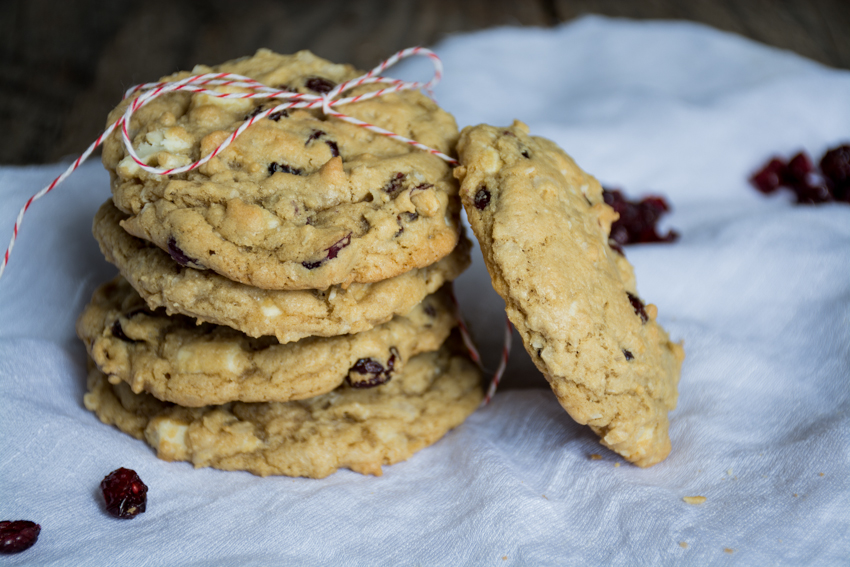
(757,287)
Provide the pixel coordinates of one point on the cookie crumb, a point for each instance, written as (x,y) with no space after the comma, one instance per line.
(694,499)
(728,550)
(683,544)
(820,474)
(729,472)
(504,558)
(616,464)
(795,495)
(595,457)
(544,496)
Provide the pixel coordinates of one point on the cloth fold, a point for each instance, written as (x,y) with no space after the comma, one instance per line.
(757,287)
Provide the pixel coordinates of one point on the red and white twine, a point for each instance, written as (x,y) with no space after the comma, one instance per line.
(198,84)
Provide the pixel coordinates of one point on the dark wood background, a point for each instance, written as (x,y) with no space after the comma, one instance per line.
(65,64)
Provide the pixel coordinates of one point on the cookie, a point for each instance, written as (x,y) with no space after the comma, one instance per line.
(288,315)
(543,229)
(299,200)
(346,428)
(196,365)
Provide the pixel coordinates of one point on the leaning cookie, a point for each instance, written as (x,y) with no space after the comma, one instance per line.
(543,229)
(288,315)
(299,200)
(346,428)
(197,365)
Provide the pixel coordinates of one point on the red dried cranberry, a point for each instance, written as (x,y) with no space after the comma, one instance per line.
(423,186)
(394,183)
(124,493)
(481,199)
(628,355)
(798,169)
(525,154)
(832,183)
(369,366)
(254,113)
(177,254)
(313,265)
(339,245)
(333,251)
(769,178)
(402,218)
(637,219)
(18,536)
(835,165)
(275,167)
(118,332)
(314,135)
(278,115)
(638,306)
(334,148)
(320,85)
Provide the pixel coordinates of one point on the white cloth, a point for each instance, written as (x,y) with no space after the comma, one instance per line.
(758,288)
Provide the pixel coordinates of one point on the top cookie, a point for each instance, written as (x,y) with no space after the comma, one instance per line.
(543,229)
(299,200)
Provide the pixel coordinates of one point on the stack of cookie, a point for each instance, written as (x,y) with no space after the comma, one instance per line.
(281,309)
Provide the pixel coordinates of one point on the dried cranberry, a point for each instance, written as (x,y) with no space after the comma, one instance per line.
(394,183)
(404,218)
(18,536)
(333,251)
(254,113)
(275,167)
(334,148)
(481,199)
(320,85)
(637,304)
(339,245)
(430,311)
(831,183)
(278,115)
(124,493)
(118,332)
(370,367)
(314,135)
(423,186)
(313,265)
(637,219)
(798,169)
(769,178)
(628,355)
(835,165)
(525,154)
(177,254)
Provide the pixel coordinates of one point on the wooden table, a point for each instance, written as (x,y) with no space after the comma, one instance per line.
(65,64)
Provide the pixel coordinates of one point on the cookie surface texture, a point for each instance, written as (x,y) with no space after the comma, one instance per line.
(196,365)
(346,428)
(543,229)
(299,200)
(287,315)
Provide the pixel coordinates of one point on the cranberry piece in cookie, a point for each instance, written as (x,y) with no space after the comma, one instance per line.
(320,85)
(368,372)
(481,199)
(638,306)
